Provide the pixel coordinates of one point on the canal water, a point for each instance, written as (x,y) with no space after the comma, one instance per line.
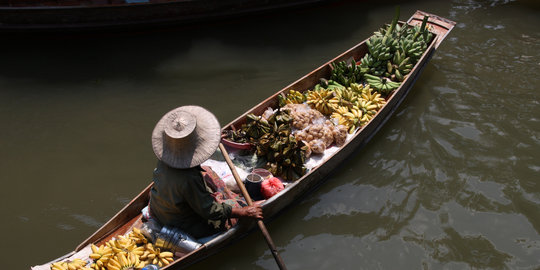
(450,182)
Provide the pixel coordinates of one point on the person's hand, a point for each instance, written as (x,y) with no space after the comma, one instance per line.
(253,211)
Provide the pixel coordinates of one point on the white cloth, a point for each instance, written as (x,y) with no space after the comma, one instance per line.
(221,168)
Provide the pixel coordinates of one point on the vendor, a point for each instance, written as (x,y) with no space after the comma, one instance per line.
(186,195)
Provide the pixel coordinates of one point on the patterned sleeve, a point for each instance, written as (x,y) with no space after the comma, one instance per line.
(203,203)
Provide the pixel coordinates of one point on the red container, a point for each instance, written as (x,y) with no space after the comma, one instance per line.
(271,187)
(235,145)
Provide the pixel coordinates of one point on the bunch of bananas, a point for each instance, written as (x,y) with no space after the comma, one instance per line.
(153,255)
(373,96)
(101,256)
(76,264)
(399,67)
(381,47)
(293,97)
(130,251)
(343,97)
(353,106)
(392,53)
(320,100)
(383,85)
(346,72)
(341,117)
(137,236)
(415,41)
(124,244)
(351,118)
(359,89)
(368,110)
(125,261)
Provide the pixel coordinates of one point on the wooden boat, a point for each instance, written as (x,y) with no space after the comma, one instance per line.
(39,15)
(130,215)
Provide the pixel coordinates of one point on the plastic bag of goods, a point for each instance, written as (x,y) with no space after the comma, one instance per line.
(271,187)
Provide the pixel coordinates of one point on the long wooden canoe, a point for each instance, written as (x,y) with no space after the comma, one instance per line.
(40,15)
(130,215)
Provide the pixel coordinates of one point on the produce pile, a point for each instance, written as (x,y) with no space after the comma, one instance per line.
(76,264)
(351,106)
(309,122)
(132,251)
(314,129)
(271,134)
(392,53)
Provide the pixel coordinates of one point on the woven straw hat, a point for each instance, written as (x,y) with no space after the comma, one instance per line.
(186,137)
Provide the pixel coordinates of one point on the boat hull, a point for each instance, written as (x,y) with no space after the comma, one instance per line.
(130,215)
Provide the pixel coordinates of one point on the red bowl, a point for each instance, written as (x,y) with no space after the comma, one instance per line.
(236,145)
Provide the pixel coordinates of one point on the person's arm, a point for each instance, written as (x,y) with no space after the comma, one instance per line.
(202,202)
(253,211)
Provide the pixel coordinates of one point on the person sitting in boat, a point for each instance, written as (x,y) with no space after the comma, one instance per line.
(185,194)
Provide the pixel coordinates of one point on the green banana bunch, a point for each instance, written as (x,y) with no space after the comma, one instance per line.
(381,85)
(379,47)
(346,72)
(415,41)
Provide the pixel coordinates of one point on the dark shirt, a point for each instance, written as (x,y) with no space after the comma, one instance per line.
(180,198)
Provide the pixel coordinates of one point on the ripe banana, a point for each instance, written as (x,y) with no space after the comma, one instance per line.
(319,100)
(75,264)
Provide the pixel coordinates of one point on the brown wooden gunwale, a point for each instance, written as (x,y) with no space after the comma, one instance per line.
(129,216)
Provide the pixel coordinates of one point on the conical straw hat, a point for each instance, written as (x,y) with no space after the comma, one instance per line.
(186,137)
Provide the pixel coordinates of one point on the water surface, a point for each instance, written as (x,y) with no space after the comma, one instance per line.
(450,182)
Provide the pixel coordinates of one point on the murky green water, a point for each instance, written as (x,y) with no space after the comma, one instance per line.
(450,182)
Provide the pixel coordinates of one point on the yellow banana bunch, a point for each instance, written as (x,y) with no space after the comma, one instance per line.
(165,258)
(137,236)
(342,97)
(131,250)
(318,99)
(369,95)
(343,117)
(153,255)
(76,264)
(369,109)
(101,255)
(122,244)
(341,110)
(95,266)
(341,120)
(346,94)
(124,261)
(357,88)
(293,97)
(365,119)
(336,102)
(59,266)
(367,106)
(351,118)
(149,254)
(356,113)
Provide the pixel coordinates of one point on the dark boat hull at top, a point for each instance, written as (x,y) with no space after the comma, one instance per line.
(130,216)
(35,15)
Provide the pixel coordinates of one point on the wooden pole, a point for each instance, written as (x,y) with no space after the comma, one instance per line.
(240,184)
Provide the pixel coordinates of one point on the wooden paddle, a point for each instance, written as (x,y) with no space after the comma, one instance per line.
(240,184)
